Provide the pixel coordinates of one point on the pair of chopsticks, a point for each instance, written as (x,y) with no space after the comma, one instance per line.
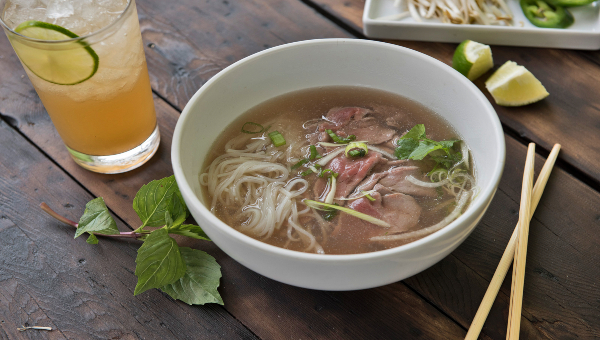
(516,250)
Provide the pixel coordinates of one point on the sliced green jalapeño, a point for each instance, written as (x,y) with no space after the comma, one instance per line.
(570,3)
(545,15)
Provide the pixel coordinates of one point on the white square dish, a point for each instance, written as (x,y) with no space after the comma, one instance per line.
(584,34)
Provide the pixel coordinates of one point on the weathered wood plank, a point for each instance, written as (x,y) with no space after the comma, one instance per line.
(86,292)
(189,41)
(569,116)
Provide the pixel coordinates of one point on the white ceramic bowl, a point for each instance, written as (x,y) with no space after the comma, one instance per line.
(326,62)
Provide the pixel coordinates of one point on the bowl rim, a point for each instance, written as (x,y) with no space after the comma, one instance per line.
(485,196)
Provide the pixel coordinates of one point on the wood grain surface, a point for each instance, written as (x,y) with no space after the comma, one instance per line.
(47,278)
(569,116)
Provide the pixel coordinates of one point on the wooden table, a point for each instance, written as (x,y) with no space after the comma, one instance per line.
(86,292)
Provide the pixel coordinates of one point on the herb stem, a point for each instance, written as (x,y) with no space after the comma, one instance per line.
(126,234)
(54,214)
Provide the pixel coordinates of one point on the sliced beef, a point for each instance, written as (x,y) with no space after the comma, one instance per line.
(351,172)
(386,164)
(369,129)
(390,176)
(401,211)
(342,116)
(382,190)
(395,180)
(319,136)
(368,183)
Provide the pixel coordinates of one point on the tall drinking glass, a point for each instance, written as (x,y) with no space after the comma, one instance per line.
(86,60)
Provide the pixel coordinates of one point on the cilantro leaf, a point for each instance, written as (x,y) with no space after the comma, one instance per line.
(96,219)
(405,148)
(447,160)
(415,145)
(189,230)
(159,262)
(447,144)
(157,197)
(199,284)
(417,132)
(424,148)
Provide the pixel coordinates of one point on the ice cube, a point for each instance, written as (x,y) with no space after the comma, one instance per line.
(59,9)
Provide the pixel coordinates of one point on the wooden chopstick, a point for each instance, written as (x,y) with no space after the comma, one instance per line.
(509,252)
(520,260)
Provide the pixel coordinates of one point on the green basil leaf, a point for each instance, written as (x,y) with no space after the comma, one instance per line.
(96,219)
(416,133)
(92,239)
(405,148)
(447,144)
(199,284)
(168,219)
(155,198)
(159,262)
(189,230)
(424,148)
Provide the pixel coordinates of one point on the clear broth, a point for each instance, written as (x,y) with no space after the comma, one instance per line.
(287,113)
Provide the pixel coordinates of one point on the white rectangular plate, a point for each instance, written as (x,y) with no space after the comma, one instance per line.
(584,34)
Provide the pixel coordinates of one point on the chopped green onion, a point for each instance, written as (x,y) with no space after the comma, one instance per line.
(313,153)
(330,214)
(332,190)
(250,125)
(369,197)
(357,153)
(325,171)
(277,138)
(364,193)
(340,140)
(357,149)
(365,217)
(299,164)
(306,173)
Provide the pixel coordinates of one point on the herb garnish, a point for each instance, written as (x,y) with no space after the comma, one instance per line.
(300,163)
(340,140)
(415,145)
(185,274)
(313,153)
(277,138)
(253,128)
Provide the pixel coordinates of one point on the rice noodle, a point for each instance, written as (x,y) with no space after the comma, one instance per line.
(426,184)
(464,198)
(383,152)
(255,179)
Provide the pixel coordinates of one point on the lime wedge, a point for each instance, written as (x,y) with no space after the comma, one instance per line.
(472,59)
(64,64)
(514,85)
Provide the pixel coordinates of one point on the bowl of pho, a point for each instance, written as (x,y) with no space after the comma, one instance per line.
(338,164)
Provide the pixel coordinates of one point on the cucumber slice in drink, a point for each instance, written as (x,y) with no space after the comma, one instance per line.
(63,65)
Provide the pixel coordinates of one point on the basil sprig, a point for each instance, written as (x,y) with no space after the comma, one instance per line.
(186,274)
